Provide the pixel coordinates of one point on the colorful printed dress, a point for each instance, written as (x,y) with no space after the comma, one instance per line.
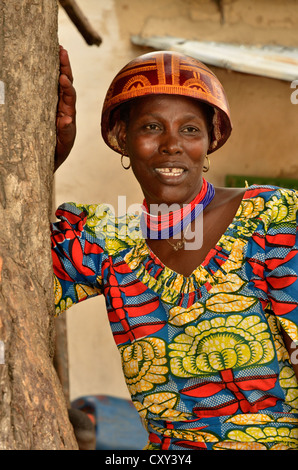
(203,356)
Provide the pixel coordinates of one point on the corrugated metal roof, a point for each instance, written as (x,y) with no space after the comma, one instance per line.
(269,61)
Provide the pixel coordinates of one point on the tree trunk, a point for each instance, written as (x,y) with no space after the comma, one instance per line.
(33,411)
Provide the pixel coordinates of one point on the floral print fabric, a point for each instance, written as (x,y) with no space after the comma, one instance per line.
(203,356)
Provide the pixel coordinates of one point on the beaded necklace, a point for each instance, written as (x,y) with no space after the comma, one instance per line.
(166,225)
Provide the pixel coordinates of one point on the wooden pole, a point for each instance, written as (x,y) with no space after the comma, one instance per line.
(81,22)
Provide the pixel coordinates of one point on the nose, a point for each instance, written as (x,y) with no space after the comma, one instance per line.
(170,144)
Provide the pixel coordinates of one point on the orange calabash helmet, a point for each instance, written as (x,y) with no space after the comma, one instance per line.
(170,73)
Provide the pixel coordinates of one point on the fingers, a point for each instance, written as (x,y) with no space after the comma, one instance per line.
(64,122)
(65,67)
(66,110)
(66,78)
(66,133)
(66,129)
(67,94)
(67,90)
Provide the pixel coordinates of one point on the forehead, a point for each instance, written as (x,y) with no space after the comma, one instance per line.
(168,104)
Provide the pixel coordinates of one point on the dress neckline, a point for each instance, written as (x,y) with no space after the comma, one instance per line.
(212,251)
(226,255)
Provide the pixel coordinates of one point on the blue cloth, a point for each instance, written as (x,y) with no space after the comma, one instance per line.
(116,421)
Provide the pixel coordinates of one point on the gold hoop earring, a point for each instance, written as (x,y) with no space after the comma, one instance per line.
(206,168)
(123,166)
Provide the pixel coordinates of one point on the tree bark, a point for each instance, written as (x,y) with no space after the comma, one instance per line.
(33,411)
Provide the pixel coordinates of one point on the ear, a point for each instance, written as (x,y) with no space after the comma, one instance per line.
(120,134)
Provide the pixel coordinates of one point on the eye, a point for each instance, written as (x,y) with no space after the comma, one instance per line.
(152,126)
(190,130)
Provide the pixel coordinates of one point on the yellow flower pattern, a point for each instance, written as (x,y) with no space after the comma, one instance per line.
(250,208)
(61,304)
(144,364)
(180,316)
(162,405)
(288,382)
(219,344)
(254,438)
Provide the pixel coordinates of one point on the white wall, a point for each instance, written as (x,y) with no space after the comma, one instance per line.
(93,174)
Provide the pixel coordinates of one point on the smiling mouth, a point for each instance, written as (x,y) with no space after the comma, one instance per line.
(171,172)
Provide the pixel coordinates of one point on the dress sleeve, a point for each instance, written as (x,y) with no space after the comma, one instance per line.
(282,260)
(77,250)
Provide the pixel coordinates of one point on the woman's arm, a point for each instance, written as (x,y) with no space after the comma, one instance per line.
(66,111)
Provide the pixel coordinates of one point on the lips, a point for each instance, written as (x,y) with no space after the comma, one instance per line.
(170,172)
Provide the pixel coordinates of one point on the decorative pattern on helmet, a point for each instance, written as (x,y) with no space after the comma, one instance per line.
(172,73)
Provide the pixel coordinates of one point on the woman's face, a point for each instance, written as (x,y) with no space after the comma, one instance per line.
(166,138)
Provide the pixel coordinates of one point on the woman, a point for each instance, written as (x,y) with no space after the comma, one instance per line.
(200,285)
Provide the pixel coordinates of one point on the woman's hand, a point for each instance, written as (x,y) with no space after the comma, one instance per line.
(66,111)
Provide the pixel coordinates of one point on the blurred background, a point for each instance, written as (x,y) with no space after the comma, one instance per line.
(264,141)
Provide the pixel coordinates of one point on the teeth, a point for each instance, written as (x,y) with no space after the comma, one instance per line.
(170,171)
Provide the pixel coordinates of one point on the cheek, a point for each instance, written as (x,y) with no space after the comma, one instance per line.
(197,154)
(141,151)
(203,146)
(140,169)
